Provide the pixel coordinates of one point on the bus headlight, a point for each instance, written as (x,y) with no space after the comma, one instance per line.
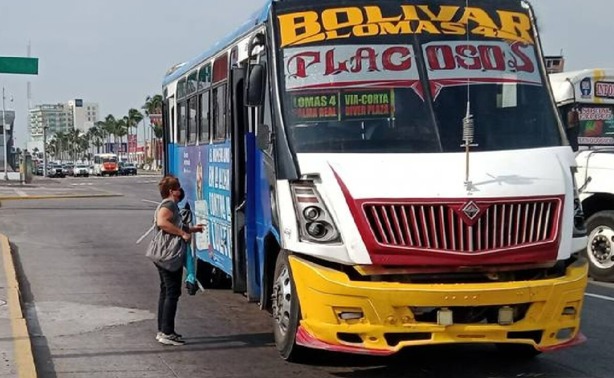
(317,230)
(314,220)
(311,213)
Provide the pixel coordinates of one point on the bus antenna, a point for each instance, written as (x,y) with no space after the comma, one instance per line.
(468,121)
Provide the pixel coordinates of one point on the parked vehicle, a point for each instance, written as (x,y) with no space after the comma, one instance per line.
(81,170)
(585,101)
(55,170)
(69,169)
(126,169)
(105,164)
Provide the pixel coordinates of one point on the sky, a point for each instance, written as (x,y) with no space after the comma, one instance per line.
(115,52)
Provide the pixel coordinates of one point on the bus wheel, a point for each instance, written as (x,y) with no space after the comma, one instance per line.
(600,247)
(286,310)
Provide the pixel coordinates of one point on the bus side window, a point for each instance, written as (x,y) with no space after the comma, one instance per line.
(183,120)
(219,112)
(204,117)
(192,117)
(267,118)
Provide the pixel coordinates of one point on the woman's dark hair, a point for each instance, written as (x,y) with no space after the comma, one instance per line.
(168,183)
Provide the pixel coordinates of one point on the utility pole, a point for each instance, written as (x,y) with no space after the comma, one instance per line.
(6,145)
(44,123)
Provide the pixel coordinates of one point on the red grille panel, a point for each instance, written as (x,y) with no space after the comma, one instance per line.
(445,227)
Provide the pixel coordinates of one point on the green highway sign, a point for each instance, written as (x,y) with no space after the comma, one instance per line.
(17,65)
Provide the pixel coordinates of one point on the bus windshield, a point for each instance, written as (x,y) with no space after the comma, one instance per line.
(388,77)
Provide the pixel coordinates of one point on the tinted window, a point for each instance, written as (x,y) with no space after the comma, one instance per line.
(219,112)
(204,117)
(192,126)
(183,122)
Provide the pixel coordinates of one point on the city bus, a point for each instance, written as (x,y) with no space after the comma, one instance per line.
(383,174)
(106,164)
(586,102)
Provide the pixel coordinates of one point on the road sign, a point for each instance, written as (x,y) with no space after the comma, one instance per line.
(17,65)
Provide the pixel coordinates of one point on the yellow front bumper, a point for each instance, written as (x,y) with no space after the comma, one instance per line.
(388,323)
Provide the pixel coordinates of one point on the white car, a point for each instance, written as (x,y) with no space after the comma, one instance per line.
(81,170)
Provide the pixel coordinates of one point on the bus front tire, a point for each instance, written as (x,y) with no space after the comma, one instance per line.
(285,310)
(600,247)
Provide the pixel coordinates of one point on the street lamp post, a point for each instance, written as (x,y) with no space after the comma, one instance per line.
(6,148)
(44,149)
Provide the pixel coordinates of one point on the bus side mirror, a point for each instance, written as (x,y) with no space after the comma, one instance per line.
(573,128)
(573,119)
(255,89)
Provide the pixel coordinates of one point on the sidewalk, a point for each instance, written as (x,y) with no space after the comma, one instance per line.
(38,180)
(15,346)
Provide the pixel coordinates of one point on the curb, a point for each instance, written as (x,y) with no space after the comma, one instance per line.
(59,196)
(24,359)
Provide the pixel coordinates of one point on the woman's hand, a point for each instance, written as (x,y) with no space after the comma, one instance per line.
(186,236)
(198,228)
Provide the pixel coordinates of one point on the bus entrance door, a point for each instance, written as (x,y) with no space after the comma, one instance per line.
(239,197)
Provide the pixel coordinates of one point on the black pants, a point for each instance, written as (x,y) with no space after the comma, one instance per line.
(170,291)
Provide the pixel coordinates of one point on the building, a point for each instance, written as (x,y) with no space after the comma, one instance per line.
(60,118)
(55,117)
(85,114)
(555,64)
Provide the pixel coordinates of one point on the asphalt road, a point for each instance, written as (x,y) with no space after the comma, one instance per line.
(91,298)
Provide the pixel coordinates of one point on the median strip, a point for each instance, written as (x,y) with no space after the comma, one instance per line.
(58,196)
(24,358)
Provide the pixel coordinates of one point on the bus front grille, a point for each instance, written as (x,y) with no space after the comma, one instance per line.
(468,226)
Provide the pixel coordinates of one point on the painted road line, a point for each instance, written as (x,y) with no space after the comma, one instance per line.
(605,298)
(59,196)
(20,193)
(24,359)
(149,201)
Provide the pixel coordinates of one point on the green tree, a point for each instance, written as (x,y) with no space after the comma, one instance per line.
(153,106)
(110,128)
(61,145)
(121,130)
(132,121)
(97,135)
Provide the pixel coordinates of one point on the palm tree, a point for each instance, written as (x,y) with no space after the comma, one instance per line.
(153,106)
(79,143)
(75,140)
(52,147)
(132,120)
(96,135)
(121,130)
(109,126)
(61,141)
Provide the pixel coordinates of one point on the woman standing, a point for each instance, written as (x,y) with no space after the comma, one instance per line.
(168,220)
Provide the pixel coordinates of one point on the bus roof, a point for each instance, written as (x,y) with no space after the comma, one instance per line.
(584,86)
(181,69)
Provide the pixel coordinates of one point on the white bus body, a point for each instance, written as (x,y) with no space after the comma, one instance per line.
(105,164)
(587,96)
